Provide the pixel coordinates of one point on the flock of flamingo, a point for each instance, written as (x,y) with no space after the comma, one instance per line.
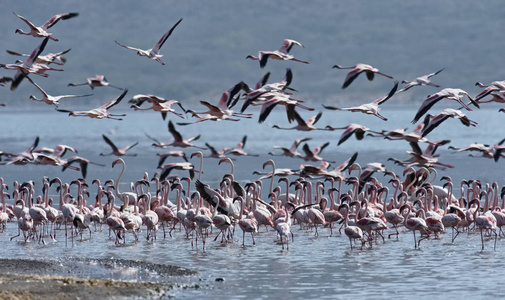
(359,205)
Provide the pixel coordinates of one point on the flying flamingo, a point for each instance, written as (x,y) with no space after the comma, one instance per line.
(431,122)
(50,58)
(153,53)
(493,87)
(159,104)
(26,66)
(358,69)
(98,80)
(223,109)
(178,140)
(291,151)
(48,99)
(100,112)
(239,150)
(422,80)
(280,54)
(41,31)
(4,80)
(118,151)
(302,124)
(371,108)
(449,93)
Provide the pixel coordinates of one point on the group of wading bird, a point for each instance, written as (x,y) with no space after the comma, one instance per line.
(363,211)
(363,205)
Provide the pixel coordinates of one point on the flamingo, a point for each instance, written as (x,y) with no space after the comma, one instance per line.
(126,197)
(221,221)
(356,129)
(159,104)
(302,124)
(450,219)
(100,112)
(178,140)
(50,58)
(422,80)
(150,218)
(280,54)
(114,221)
(291,151)
(371,108)
(431,122)
(27,66)
(246,224)
(51,100)
(118,151)
(495,86)
(358,69)
(223,109)
(98,80)
(414,224)
(239,150)
(153,53)
(485,221)
(203,221)
(351,231)
(41,31)
(449,93)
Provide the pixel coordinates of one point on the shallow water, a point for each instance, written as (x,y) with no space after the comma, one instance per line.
(322,266)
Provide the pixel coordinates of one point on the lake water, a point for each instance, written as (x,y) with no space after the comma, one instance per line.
(322,266)
(205,56)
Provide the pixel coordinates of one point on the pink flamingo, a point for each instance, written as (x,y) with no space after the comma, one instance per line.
(302,124)
(48,99)
(422,80)
(41,31)
(246,224)
(118,151)
(358,69)
(351,231)
(178,139)
(100,112)
(449,93)
(27,66)
(280,54)
(414,224)
(431,122)
(98,80)
(371,108)
(159,104)
(153,53)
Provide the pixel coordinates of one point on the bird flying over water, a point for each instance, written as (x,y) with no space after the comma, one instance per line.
(41,31)
(280,54)
(358,69)
(153,53)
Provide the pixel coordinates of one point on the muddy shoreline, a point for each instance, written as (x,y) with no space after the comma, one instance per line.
(29,279)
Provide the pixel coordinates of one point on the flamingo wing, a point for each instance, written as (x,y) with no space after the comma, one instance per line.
(160,43)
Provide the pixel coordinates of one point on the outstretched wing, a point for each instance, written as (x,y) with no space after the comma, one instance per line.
(160,43)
